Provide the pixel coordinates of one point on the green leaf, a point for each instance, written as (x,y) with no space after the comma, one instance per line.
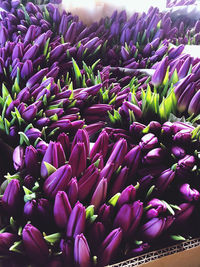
(111,117)
(137,186)
(7,126)
(53,238)
(89,211)
(23,139)
(29,197)
(14,176)
(18,116)
(77,72)
(27,191)
(150,191)
(20,231)
(175,207)
(17,247)
(93,218)
(52,133)
(114,199)
(29,126)
(95,63)
(147,207)
(177,238)
(35,187)
(50,168)
(171,211)
(46,47)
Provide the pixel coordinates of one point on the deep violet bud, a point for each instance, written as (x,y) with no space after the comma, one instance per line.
(178,152)
(164,180)
(72,191)
(81,251)
(118,153)
(53,155)
(27,69)
(57,181)
(185,164)
(18,158)
(160,72)
(128,217)
(29,113)
(109,247)
(76,222)
(67,252)
(139,250)
(182,216)
(33,134)
(12,197)
(6,241)
(128,195)
(86,184)
(101,145)
(154,156)
(31,160)
(184,136)
(63,139)
(120,181)
(3,35)
(35,245)
(82,137)
(132,159)
(41,147)
(37,77)
(148,141)
(157,207)
(62,209)
(31,52)
(194,106)
(100,193)
(189,194)
(78,159)
(152,229)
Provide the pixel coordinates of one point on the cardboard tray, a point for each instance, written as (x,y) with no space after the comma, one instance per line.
(185,254)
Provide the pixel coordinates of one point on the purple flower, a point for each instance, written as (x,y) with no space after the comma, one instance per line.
(57,181)
(182,216)
(82,137)
(160,72)
(109,247)
(119,181)
(148,141)
(12,197)
(164,180)
(81,251)
(128,217)
(72,191)
(29,113)
(99,195)
(35,245)
(194,106)
(154,156)
(53,155)
(132,159)
(101,145)
(86,184)
(62,209)
(127,196)
(6,241)
(188,193)
(76,222)
(78,159)
(31,160)
(18,158)
(118,153)
(152,229)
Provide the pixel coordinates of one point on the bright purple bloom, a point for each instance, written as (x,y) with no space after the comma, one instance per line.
(152,229)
